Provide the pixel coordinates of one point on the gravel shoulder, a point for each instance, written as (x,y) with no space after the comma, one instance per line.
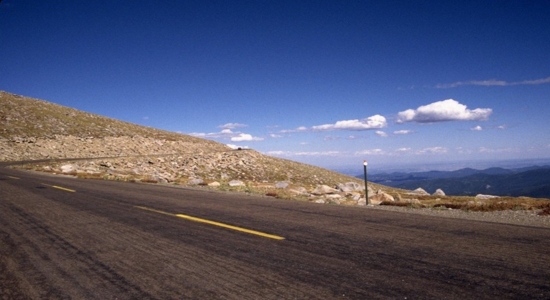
(515,217)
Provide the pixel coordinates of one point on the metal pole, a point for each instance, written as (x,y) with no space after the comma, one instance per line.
(366,184)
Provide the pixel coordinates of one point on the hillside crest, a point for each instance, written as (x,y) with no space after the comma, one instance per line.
(33,129)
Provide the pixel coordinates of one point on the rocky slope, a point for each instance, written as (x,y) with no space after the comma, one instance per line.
(98,147)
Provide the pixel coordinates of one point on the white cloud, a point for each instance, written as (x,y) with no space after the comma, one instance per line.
(370,152)
(403,149)
(501,150)
(373,122)
(401,132)
(275,136)
(245,137)
(493,82)
(276,153)
(476,128)
(232,125)
(502,127)
(224,134)
(432,150)
(298,129)
(445,110)
(381,133)
(227,134)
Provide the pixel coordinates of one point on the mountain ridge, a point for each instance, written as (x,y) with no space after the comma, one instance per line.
(531,181)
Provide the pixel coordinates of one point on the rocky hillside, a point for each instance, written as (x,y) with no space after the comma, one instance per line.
(92,146)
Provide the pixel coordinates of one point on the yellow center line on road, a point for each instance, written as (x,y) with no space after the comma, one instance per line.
(60,188)
(13,177)
(214,223)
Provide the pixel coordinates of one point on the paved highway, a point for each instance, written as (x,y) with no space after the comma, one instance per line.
(63,238)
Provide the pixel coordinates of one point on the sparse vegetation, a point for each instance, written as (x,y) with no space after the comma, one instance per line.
(478,205)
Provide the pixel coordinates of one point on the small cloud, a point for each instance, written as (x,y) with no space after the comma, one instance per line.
(502,127)
(227,133)
(381,133)
(370,152)
(373,122)
(402,132)
(476,128)
(146,118)
(441,111)
(245,137)
(276,153)
(275,136)
(493,82)
(403,150)
(432,150)
(298,129)
(232,125)
(491,150)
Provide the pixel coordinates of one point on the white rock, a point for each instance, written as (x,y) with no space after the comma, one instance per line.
(323,190)
(236,183)
(439,192)
(481,196)
(350,187)
(420,191)
(195,181)
(281,185)
(380,197)
(68,168)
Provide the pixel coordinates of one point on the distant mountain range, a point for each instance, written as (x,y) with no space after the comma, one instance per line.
(533,181)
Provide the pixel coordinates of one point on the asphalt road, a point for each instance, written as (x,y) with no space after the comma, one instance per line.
(66,238)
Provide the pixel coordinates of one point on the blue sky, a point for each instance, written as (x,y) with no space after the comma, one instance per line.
(328,83)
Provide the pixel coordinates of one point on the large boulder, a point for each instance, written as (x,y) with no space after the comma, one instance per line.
(281,185)
(236,183)
(68,168)
(421,191)
(380,197)
(195,181)
(439,192)
(349,187)
(323,190)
